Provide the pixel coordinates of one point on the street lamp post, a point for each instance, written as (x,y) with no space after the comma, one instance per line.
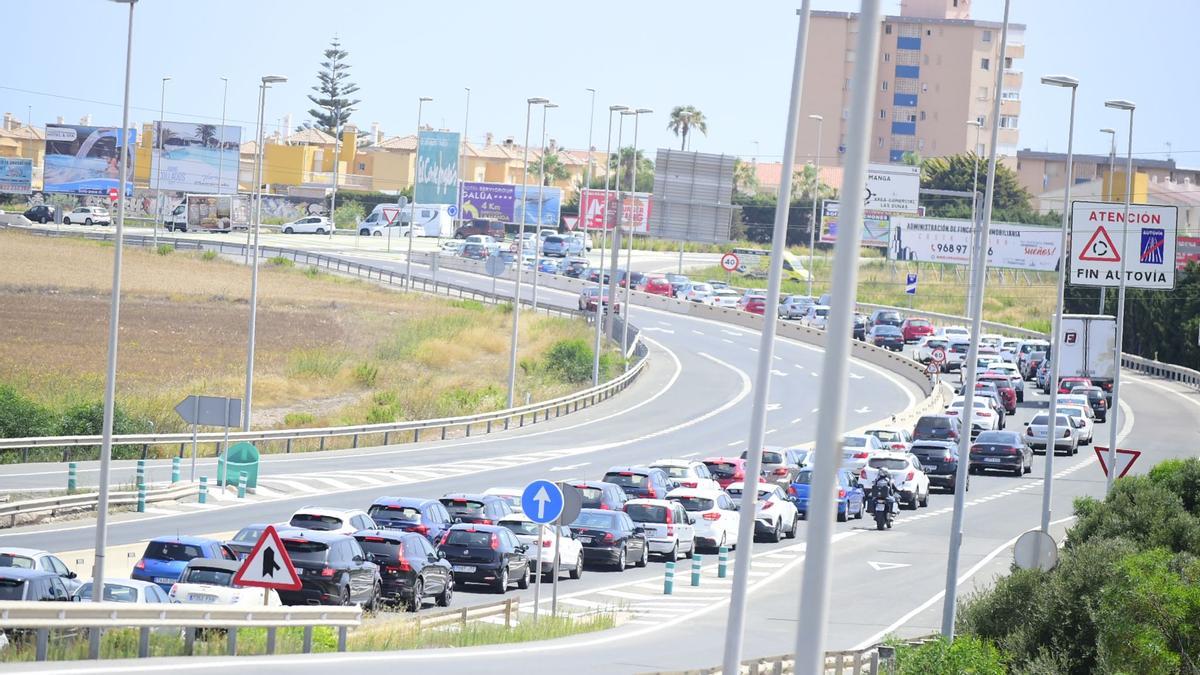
(267,81)
(541,202)
(974,202)
(1056,329)
(412,205)
(629,251)
(600,313)
(158,134)
(221,144)
(1112,178)
(462,159)
(512,357)
(812,231)
(615,255)
(1115,410)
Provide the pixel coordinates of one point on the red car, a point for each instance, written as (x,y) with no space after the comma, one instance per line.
(657,284)
(755,304)
(727,470)
(1067,384)
(1008,393)
(915,329)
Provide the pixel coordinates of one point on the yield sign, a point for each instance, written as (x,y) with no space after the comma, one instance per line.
(268,565)
(881,566)
(1100,248)
(389,215)
(1125,459)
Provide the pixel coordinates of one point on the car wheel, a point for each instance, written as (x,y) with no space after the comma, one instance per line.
(673,554)
(791,534)
(577,571)
(87,221)
(620,564)
(1019,471)
(862,510)
(501,583)
(523,582)
(443,599)
(288,230)
(777,535)
(925,498)
(645,556)
(1029,466)
(364,232)
(841,516)
(345,599)
(379,233)
(418,596)
(320,230)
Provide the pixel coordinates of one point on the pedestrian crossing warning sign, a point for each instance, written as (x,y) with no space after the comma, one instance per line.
(1100,248)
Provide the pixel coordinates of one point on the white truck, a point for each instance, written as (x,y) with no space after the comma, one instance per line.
(1087,348)
(209,213)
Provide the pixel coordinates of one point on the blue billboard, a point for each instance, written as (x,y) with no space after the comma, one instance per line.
(544,200)
(16,175)
(85,160)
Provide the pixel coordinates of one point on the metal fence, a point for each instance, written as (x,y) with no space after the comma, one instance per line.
(873,660)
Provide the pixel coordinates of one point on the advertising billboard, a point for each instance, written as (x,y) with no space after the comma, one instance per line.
(195,157)
(876,225)
(546,199)
(693,196)
(635,207)
(494,201)
(437,167)
(1187,250)
(86,160)
(16,176)
(944,240)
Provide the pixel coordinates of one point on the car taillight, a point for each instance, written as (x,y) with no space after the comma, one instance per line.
(483,521)
(1013,451)
(688,483)
(173,588)
(841,493)
(780,472)
(861,455)
(327,572)
(419,529)
(141,564)
(954,435)
(547,543)
(948,457)
(952,412)
(712,515)
(739,475)
(791,490)
(862,473)
(976,448)
(445,536)
(910,476)
(608,538)
(652,492)
(897,446)
(605,507)
(495,542)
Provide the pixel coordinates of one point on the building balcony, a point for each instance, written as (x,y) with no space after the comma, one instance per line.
(325,178)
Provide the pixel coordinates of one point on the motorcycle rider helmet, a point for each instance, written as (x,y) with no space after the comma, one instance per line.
(884,474)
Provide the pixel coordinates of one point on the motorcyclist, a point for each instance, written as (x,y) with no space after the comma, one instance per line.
(885,488)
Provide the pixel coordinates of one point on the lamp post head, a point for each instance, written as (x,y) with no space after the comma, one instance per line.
(628,112)
(615,108)
(816,117)
(166,78)
(425,99)
(1120,104)
(643,111)
(591,90)
(549,104)
(274,79)
(974,123)
(537,100)
(1060,81)
(1108,131)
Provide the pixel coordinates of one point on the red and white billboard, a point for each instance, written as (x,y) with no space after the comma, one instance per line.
(636,208)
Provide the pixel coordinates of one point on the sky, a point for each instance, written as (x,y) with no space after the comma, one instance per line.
(731,60)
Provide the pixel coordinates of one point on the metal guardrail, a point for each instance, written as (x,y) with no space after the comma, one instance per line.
(518,416)
(43,617)
(1003,328)
(508,608)
(1168,371)
(90,500)
(870,661)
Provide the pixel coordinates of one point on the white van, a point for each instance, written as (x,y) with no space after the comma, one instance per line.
(432,220)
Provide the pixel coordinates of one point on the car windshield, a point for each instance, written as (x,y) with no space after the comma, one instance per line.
(468,538)
(626,478)
(521,527)
(381,549)
(312,521)
(1044,419)
(248,534)
(12,589)
(599,520)
(1004,437)
(931,423)
(803,478)
(14,560)
(207,575)
(112,592)
(647,513)
(889,463)
(171,551)
(722,469)
(768,457)
(695,503)
(407,513)
(463,507)
(303,550)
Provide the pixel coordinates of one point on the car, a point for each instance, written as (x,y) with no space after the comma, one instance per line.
(859,331)
(714,514)
(886,317)
(482,239)
(584,239)
(636,278)
(325,519)
(1011,371)
(243,542)
(587,300)
(816,316)
(558,245)
(124,590)
(722,297)
(799,457)
(678,282)
(475,508)
(794,306)
(753,303)
(1003,450)
(939,461)
(1067,384)
(695,292)
(956,353)
(475,252)
(898,440)
(1008,349)
(914,328)
(687,473)
(1066,436)
(726,470)
(31,558)
(32,585)
(850,495)
(670,530)
(1097,399)
(493,228)
(451,247)
(936,428)
(574,268)
(639,481)
(308,225)
(511,495)
(333,569)
(426,517)
(959,333)
(600,495)
(1032,364)
(775,467)
(1026,348)
(923,352)
(611,538)
(88,215)
(857,448)
(206,581)
(1072,399)
(906,473)
(1081,420)
(982,419)
(593,275)
(886,336)
(989,393)
(657,284)
(486,554)
(41,213)
(1004,386)
(410,569)
(549,266)
(993,340)
(165,557)
(569,551)
(775,514)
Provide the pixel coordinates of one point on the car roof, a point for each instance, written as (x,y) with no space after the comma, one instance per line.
(472,527)
(326,511)
(632,469)
(216,563)
(384,532)
(402,501)
(27,552)
(122,581)
(722,459)
(516,516)
(468,496)
(671,461)
(650,502)
(24,573)
(741,485)
(322,536)
(177,539)
(695,492)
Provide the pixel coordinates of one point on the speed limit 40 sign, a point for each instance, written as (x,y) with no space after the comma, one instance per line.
(730,262)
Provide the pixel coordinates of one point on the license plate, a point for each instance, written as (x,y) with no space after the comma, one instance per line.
(468,569)
(585,540)
(992,460)
(163,580)
(880,506)
(201,597)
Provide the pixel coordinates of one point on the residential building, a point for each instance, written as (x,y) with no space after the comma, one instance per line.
(1041,172)
(768,174)
(19,139)
(937,71)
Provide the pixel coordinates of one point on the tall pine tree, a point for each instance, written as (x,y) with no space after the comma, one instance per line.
(333,89)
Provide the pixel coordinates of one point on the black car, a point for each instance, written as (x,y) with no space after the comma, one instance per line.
(886,336)
(42,213)
(1097,399)
(640,481)
(575,267)
(886,317)
(409,567)
(937,428)
(677,281)
(1004,450)
(411,514)
(611,538)
(243,542)
(333,569)
(20,583)
(1032,364)
(860,327)
(478,509)
(598,494)
(485,554)
(939,459)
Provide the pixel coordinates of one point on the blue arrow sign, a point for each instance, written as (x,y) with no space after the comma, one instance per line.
(542,501)
(910,284)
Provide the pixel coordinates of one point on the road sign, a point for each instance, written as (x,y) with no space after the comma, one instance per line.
(542,501)
(730,262)
(211,411)
(572,503)
(892,188)
(938,355)
(452,211)
(390,213)
(1035,550)
(112,194)
(495,266)
(910,284)
(1101,240)
(402,201)
(1125,459)
(268,565)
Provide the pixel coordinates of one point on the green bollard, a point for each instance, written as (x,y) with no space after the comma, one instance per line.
(174,470)
(669,580)
(696,562)
(203,498)
(141,502)
(141,472)
(72,477)
(241,484)
(722,561)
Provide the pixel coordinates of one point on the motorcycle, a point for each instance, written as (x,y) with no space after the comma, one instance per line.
(883,504)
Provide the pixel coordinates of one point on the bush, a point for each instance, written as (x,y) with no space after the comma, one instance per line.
(280,261)
(312,272)
(21,417)
(87,419)
(315,363)
(1181,476)
(208,255)
(165,249)
(366,374)
(298,419)
(348,214)
(941,657)
(569,361)
(1140,510)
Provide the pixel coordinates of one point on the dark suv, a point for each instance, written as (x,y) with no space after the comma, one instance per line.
(333,570)
(640,481)
(937,428)
(411,514)
(485,554)
(1097,399)
(493,228)
(18,583)
(478,509)
(886,317)
(598,494)
(42,213)
(939,460)
(409,567)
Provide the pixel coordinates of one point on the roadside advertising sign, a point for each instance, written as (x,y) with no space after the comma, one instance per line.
(1100,238)
(86,160)
(635,207)
(945,240)
(16,175)
(195,157)
(437,167)
(493,201)
(893,188)
(550,199)
(1187,250)
(876,226)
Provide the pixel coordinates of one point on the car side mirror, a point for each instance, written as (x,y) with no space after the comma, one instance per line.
(359,559)
(458,520)
(441,554)
(691,519)
(640,529)
(522,548)
(71,575)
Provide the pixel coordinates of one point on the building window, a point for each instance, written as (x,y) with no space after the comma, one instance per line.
(924,87)
(985,64)
(908,57)
(982,120)
(887,57)
(906,85)
(1008,62)
(879,142)
(883,86)
(922,115)
(362,166)
(887,29)
(979,151)
(1008,122)
(983,91)
(987,36)
(882,114)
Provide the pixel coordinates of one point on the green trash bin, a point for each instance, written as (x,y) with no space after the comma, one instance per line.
(239,457)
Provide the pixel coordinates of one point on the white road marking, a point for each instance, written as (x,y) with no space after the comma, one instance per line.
(774,406)
(697,332)
(733,444)
(768,432)
(881,566)
(568,467)
(796,421)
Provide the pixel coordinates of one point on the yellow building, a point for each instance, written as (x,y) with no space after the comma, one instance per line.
(23,140)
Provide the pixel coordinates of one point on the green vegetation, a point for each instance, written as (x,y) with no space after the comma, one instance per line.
(348,214)
(280,261)
(965,655)
(165,249)
(571,361)
(208,255)
(366,374)
(298,419)
(317,362)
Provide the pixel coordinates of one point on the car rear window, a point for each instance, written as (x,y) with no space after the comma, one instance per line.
(959,347)
(675,471)
(854,442)
(887,436)
(592,496)
(918,322)
(694,503)
(997,437)
(12,560)
(112,592)
(463,507)
(247,535)
(646,513)
(803,478)
(931,423)
(312,521)
(468,538)
(12,589)
(171,550)
(381,549)
(302,550)
(768,457)
(521,527)
(722,469)
(889,463)
(206,575)
(601,520)
(626,478)
(380,512)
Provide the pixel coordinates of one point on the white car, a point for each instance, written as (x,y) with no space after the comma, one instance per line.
(341,521)
(452,247)
(88,215)
(36,559)
(509,494)
(1067,437)
(670,531)
(775,514)
(984,418)
(722,297)
(898,440)
(1008,349)
(816,316)
(209,581)
(135,591)
(695,292)
(714,514)
(585,238)
(794,306)
(923,352)
(992,340)
(1082,419)
(308,225)
(570,551)
(955,333)
(956,353)
(687,473)
(906,473)
(376,225)
(485,239)
(1028,347)
(857,448)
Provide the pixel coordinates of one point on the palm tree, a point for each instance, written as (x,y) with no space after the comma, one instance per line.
(207,134)
(808,180)
(745,178)
(683,119)
(623,162)
(165,135)
(555,169)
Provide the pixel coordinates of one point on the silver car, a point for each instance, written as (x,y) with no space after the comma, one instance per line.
(794,306)
(1067,437)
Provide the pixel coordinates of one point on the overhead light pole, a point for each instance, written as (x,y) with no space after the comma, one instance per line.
(462,159)
(615,255)
(629,251)
(812,231)
(247,404)
(1112,179)
(1059,305)
(512,357)
(221,146)
(974,202)
(600,313)
(158,134)
(541,201)
(412,205)
(1115,410)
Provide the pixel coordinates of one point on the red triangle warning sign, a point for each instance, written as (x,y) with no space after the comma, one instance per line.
(1100,248)
(268,565)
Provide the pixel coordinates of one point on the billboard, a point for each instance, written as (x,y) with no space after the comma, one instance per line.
(16,176)
(86,160)
(945,240)
(635,211)
(547,199)
(1187,250)
(893,188)
(693,194)
(494,201)
(195,157)
(876,225)
(437,167)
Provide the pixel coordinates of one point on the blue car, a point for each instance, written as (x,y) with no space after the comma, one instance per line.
(549,266)
(165,557)
(850,496)
(411,514)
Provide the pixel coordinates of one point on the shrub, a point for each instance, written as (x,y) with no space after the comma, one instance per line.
(165,249)
(473,305)
(318,363)
(940,657)
(348,214)
(1181,476)
(208,255)
(21,417)
(312,272)
(569,361)
(280,261)
(298,419)
(366,373)
(1141,510)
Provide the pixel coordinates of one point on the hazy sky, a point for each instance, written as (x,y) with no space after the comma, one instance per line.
(730,59)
